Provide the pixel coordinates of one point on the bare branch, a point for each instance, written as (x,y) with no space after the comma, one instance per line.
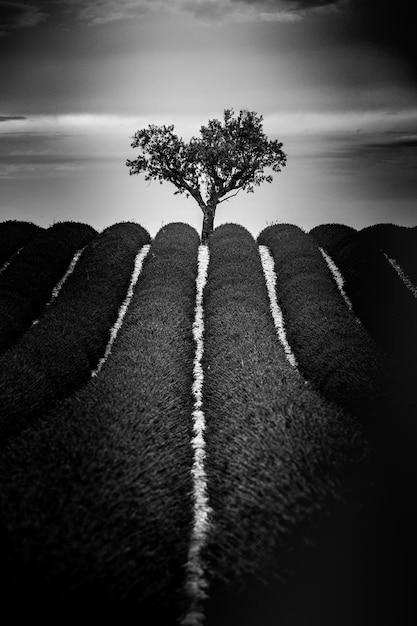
(232,196)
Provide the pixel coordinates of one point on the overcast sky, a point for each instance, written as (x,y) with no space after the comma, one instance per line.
(333,79)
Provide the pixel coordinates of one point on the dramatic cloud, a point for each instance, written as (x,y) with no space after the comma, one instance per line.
(97,12)
(239,10)
(16,15)
(370,21)
(292,5)
(374,22)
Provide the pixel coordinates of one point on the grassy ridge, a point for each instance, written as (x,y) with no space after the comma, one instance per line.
(333,351)
(111,514)
(72,332)
(398,242)
(14,235)
(276,452)
(26,284)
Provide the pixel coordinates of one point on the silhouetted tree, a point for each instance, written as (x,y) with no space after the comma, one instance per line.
(229,156)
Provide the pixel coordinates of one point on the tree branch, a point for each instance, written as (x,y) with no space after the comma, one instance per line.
(232,196)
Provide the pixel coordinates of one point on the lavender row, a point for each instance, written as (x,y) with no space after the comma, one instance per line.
(398,243)
(57,354)
(26,284)
(279,456)
(332,349)
(14,234)
(386,308)
(99,490)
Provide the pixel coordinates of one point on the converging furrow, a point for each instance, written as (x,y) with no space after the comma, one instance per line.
(196,583)
(7,263)
(337,276)
(62,281)
(140,258)
(271,280)
(407,282)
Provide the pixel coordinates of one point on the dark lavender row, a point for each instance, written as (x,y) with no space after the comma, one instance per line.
(333,351)
(388,311)
(96,497)
(398,242)
(280,459)
(14,235)
(26,284)
(386,308)
(56,356)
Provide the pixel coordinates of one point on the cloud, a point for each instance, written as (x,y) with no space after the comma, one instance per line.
(98,12)
(238,10)
(11,118)
(292,5)
(21,171)
(375,22)
(30,153)
(16,15)
(281,10)
(402,141)
(333,123)
(289,122)
(42,146)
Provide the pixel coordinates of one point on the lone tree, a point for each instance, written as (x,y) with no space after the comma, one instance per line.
(229,156)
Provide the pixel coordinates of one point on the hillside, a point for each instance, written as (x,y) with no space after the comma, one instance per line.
(219,434)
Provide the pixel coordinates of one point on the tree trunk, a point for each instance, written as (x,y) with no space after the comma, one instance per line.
(208,222)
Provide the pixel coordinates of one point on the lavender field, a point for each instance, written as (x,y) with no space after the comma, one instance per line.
(207,434)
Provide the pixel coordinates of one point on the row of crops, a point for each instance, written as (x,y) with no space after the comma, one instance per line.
(306,449)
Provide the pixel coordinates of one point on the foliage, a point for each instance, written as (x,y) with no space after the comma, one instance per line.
(228,156)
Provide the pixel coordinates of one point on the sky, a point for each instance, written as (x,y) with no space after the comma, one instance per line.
(335,81)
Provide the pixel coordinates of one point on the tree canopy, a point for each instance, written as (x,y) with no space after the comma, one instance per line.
(229,156)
